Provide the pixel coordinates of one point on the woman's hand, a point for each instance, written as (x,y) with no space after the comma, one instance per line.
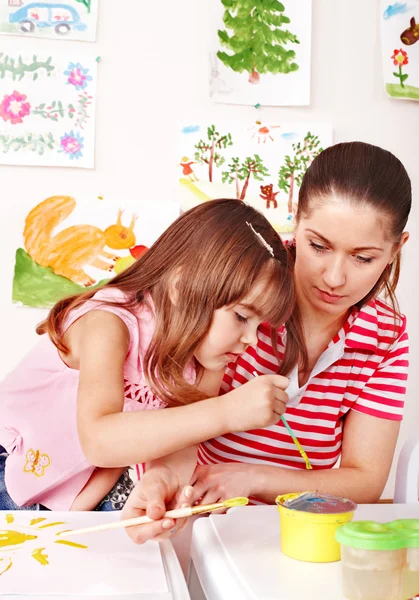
(215,483)
(159,490)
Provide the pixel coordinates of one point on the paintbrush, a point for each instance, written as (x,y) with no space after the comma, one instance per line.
(178,513)
(294,437)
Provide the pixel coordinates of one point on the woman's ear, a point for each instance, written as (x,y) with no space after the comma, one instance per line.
(399,246)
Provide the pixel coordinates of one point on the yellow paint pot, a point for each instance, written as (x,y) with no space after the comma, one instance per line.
(307,529)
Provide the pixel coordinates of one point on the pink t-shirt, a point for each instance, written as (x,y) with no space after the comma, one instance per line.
(38,405)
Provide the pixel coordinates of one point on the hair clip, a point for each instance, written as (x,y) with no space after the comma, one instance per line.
(262,240)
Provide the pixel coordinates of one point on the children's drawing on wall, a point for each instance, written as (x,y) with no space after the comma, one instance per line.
(262,52)
(56,19)
(47,109)
(260,163)
(72,244)
(400,50)
(106,563)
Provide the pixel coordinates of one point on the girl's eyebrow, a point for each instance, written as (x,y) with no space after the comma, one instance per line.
(252,308)
(359,249)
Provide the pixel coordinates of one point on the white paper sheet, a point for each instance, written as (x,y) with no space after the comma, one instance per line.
(261,52)
(110,565)
(269,159)
(47,107)
(112,232)
(400,48)
(56,19)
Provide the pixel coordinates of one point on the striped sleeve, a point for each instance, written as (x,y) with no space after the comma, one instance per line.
(383,395)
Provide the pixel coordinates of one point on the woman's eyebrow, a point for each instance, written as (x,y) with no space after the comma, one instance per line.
(358,249)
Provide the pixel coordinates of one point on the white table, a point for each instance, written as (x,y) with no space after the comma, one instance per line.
(236,556)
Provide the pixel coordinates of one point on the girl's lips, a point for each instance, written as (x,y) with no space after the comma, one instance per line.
(231,356)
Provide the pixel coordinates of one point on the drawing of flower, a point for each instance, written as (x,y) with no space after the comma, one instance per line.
(13,108)
(400,59)
(72,144)
(77,76)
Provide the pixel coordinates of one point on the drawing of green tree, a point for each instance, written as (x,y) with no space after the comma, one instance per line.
(85,3)
(292,171)
(207,152)
(259,42)
(242,171)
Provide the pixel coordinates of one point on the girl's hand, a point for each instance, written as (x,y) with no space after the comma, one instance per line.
(256,404)
(158,491)
(216,483)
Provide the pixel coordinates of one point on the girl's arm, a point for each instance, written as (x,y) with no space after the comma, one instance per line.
(99,485)
(99,343)
(367,453)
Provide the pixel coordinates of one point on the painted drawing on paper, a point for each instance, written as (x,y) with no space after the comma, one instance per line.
(55,19)
(400,50)
(262,52)
(260,163)
(47,109)
(106,563)
(70,245)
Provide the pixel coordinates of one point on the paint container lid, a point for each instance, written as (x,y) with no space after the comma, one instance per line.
(409,529)
(315,503)
(369,535)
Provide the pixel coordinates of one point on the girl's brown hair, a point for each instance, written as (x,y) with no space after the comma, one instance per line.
(215,258)
(366,176)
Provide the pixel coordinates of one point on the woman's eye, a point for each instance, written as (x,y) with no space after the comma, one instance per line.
(241,318)
(317,247)
(363,259)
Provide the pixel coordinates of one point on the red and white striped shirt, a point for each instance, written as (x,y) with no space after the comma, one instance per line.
(364,369)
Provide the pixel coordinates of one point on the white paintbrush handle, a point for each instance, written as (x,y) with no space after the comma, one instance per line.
(177,513)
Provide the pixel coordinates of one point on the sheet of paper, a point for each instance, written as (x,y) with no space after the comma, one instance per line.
(261,52)
(47,107)
(34,561)
(399,21)
(259,162)
(75,241)
(58,19)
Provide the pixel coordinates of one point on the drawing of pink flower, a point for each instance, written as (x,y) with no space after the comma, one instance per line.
(72,144)
(77,76)
(13,108)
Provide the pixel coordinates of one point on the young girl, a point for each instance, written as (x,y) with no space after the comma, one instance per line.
(347,402)
(79,408)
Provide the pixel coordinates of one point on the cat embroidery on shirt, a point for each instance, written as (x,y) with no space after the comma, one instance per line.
(36,462)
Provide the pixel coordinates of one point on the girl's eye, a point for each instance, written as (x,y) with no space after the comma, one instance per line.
(363,259)
(241,318)
(317,247)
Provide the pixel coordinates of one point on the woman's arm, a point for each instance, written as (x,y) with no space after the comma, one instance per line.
(367,453)
(112,438)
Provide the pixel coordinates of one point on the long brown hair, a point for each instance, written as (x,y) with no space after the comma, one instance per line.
(369,176)
(216,258)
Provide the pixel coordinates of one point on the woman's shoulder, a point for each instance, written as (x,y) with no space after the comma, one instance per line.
(385,315)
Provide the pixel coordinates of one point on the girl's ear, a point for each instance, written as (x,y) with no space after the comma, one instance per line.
(399,246)
(173,289)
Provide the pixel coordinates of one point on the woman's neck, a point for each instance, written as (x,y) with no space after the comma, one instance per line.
(316,321)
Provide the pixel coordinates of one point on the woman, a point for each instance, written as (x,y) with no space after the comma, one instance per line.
(347,402)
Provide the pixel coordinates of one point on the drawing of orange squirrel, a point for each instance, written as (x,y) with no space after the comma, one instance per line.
(71,250)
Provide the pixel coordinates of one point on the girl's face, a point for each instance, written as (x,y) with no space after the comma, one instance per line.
(341,254)
(232,330)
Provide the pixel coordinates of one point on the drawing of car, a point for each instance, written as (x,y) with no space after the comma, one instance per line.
(61,17)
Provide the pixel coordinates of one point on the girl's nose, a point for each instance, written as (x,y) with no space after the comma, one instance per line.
(334,276)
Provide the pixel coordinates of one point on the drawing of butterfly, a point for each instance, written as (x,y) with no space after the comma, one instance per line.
(36,462)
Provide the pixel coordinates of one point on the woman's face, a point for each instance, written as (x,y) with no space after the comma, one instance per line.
(341,253)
